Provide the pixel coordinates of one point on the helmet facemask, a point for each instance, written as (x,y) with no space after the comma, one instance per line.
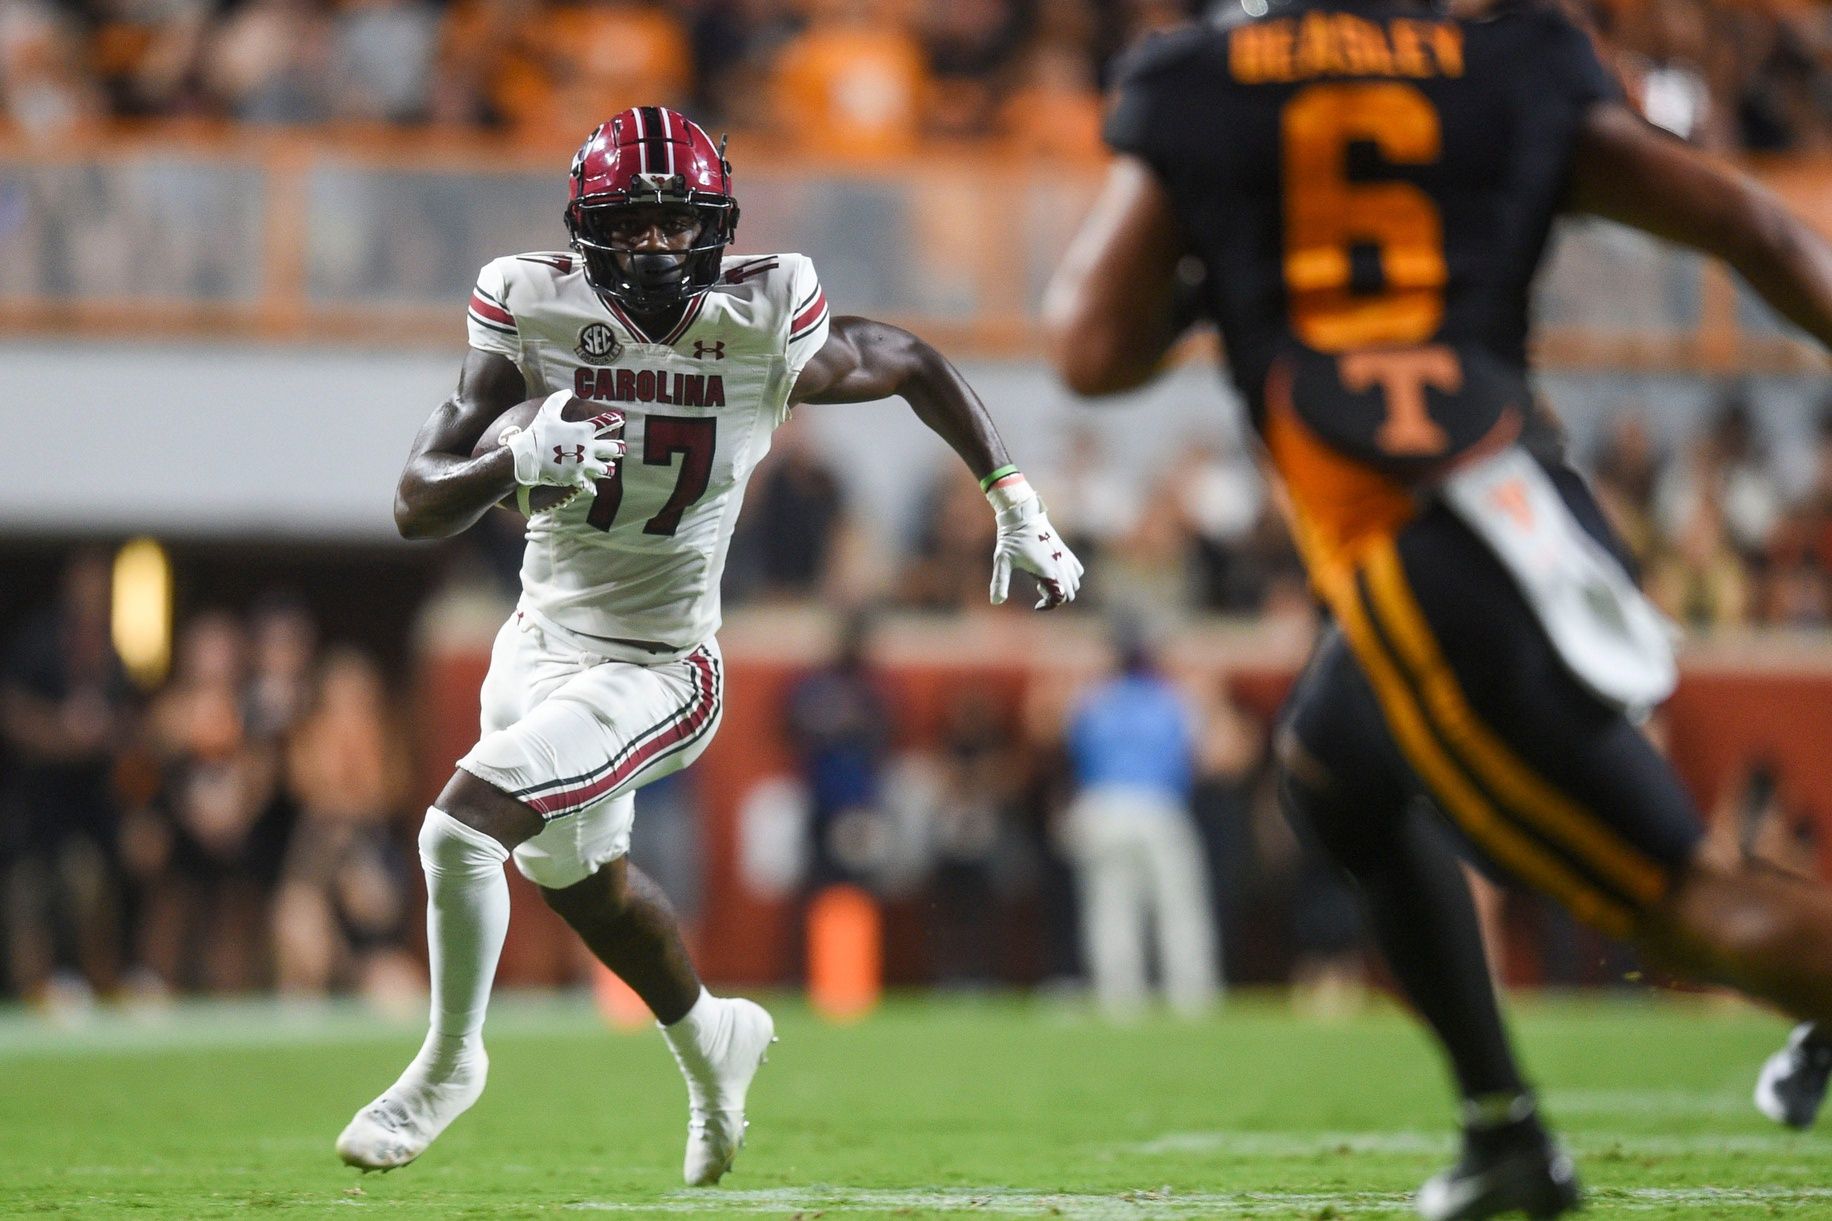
(650,281)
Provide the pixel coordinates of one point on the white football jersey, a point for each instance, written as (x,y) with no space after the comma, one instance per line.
(640,562)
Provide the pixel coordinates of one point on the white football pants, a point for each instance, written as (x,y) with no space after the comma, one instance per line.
(1139,862)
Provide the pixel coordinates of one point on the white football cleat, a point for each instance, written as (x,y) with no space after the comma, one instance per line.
(398,1126)
(733,1041)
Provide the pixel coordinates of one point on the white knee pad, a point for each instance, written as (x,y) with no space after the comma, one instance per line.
(452,849)
(570,849)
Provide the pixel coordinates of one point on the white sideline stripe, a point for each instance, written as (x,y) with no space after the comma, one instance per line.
(231,1024)
(1306,1145)
(1163,1202)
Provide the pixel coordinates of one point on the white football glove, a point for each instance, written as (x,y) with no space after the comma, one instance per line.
(1028,541)
(556,452)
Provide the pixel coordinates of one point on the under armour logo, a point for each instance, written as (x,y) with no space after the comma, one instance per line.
(576,454)
(1055,555)
(1044,537)
(702,349)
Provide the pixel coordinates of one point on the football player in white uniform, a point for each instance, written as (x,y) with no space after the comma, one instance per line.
(607,676)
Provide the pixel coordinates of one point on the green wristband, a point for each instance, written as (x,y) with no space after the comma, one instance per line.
(988,481)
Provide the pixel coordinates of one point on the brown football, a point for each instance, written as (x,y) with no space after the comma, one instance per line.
(542,499)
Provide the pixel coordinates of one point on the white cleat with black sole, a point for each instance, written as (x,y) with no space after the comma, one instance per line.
(399,1126)
(718,1057)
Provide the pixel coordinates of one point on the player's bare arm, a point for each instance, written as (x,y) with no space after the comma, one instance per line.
(443,490)
(864,361)
(1111,311)
(1624,169)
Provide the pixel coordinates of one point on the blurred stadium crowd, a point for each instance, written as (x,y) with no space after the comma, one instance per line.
(239,826)
(846,77)
(1730,529)
(1726,535)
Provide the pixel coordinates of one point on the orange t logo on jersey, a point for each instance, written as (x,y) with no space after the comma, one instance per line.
(1403,375)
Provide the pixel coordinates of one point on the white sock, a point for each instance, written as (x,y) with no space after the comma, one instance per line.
(697,1015)
(693,1030)
(467,918)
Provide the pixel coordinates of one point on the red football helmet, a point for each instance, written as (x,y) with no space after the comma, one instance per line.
(645,157)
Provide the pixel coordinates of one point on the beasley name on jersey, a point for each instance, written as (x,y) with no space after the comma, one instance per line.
(640,561)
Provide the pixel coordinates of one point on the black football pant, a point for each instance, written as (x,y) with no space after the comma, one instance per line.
(1438,702)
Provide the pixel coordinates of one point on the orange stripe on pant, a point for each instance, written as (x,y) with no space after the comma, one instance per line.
(1515,784)
(1458,796)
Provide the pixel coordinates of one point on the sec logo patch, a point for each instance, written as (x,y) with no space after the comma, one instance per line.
(598,345)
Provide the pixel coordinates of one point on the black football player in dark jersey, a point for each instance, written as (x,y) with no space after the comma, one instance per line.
(1368,187)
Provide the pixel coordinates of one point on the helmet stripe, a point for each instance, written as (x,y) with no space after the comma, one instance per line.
(668,136)
(654,139)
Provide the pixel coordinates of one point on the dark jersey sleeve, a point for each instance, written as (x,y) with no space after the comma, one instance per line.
(1572,64)
(1150,89)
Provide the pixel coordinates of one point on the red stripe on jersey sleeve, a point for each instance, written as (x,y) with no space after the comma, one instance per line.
(489,312)
(811,313)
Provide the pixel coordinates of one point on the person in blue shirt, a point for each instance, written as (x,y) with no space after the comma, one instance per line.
(1137,854)
(839,724)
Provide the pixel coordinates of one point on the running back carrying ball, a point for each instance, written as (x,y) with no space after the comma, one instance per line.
(607,677)
(563,445)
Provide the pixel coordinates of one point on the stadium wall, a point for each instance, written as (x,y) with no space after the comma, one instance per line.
(294,442)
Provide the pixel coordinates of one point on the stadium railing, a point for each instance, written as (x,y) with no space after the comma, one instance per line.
(375,238)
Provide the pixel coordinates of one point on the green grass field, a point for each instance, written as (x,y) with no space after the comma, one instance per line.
(930,1109)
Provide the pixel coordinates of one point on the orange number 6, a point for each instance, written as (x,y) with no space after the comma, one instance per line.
(1326,215)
